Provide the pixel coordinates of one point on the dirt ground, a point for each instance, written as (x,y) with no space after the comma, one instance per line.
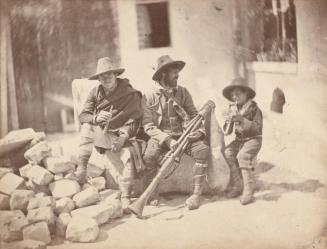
(289,211)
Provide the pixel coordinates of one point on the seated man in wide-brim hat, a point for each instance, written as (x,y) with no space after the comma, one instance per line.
(167,106)
(114,109)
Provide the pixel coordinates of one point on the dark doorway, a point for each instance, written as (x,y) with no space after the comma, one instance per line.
(153,25)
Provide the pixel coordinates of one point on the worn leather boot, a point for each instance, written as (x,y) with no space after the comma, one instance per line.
(235,183)
(125,197)
(84,154)
(125,186)
(248,187)
(194,201)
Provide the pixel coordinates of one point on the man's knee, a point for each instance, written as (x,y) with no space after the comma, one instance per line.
(201,152)
(152,153)
(150,158)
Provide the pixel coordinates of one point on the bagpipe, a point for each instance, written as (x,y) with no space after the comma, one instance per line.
(171,159)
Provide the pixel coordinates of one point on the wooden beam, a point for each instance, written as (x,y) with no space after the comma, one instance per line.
(13,110)
(3,70)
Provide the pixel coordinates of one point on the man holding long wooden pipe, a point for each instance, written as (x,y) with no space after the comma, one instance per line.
(166,107)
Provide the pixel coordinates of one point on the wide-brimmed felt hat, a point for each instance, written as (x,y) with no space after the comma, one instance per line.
(105,65)
(164,62)
(238,83)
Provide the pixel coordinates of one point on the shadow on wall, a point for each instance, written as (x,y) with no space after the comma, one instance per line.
(276,190)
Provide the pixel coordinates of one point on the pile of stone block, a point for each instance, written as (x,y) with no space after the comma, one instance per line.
(43,201)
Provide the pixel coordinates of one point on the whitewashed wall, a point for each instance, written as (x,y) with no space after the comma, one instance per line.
(302,127)
(201,35)
(304,83)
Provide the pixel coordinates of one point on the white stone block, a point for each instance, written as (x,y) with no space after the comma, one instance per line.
(42,214)
(20,198)
(11,225)
(64,188)
(23,171)
(86,197)
(37,231)
(40,175)
(100,213)
(41,201)
(59,164)
(39,136)
(10,182)
(37,153)
(64,205)
(82,229)
(116,208)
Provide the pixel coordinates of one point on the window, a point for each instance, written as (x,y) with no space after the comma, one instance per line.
(279,32)
(153,24)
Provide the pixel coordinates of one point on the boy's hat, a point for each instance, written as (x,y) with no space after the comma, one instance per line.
(238,83)
(105,65)
(164,62)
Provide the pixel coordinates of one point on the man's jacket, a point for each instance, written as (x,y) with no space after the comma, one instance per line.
(125,103)
(153,104)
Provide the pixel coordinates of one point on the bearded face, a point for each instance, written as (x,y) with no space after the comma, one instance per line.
(170,76)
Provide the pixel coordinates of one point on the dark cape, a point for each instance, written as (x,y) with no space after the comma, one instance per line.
(125,102)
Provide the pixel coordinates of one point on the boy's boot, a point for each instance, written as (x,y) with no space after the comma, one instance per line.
(248,187)
(194,201)
(235,183)
(125,186)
